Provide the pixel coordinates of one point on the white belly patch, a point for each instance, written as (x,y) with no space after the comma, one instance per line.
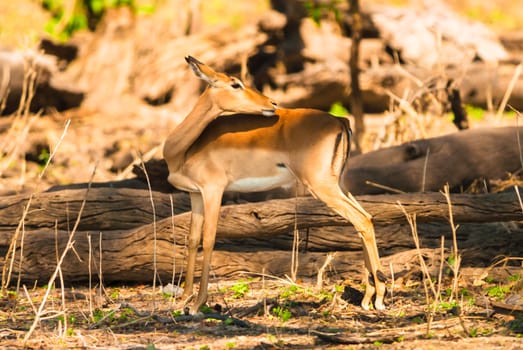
(255,184)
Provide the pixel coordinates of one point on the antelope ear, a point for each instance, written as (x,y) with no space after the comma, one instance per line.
(200,69)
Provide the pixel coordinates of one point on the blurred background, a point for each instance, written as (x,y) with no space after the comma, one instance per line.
(114,70)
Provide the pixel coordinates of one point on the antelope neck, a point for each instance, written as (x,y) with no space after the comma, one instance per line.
(186,133)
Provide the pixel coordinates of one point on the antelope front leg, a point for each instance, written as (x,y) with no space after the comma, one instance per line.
(212,202)
(195,235)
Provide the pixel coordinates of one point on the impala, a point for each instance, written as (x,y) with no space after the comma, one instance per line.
(260,149)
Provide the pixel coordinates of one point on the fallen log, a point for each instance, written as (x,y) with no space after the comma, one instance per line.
(129,254)
(427,165)
(130,258)
(123,209)
(106,208)
(21,70)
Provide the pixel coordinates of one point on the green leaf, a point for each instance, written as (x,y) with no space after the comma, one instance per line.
(337,109)
(146,9)
(97,6)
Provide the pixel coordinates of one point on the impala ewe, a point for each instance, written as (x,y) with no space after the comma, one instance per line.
(260,149)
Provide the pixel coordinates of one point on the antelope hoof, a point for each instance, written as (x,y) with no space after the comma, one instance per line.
(379,305)
(194,310)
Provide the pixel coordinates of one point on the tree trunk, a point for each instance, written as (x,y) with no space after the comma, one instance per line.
(356,101)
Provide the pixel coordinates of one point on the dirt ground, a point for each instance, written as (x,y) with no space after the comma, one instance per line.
(264,312)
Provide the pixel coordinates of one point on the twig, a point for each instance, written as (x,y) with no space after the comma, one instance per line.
(138,160)
(259,305)
(384,187)
(386,336)
(185,318)
(105,317)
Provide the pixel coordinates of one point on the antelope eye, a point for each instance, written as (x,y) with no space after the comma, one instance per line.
(236,85)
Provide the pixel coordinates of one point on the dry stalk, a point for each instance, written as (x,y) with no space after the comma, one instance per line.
(69,244)
(457,258)
(264,290)
(20,264)
(89,267)
(455,253)
(321,270)
(174,295)
(14,140)
(10,255)
(516,188)
(8,267)
(295,242)
(100,269)
(508,92)
(425,164)
(393,284)
(61,277)
(4,86)
(21,126)
(155,267)
(411,219)
(17,133)
(440,270)
(29,298)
